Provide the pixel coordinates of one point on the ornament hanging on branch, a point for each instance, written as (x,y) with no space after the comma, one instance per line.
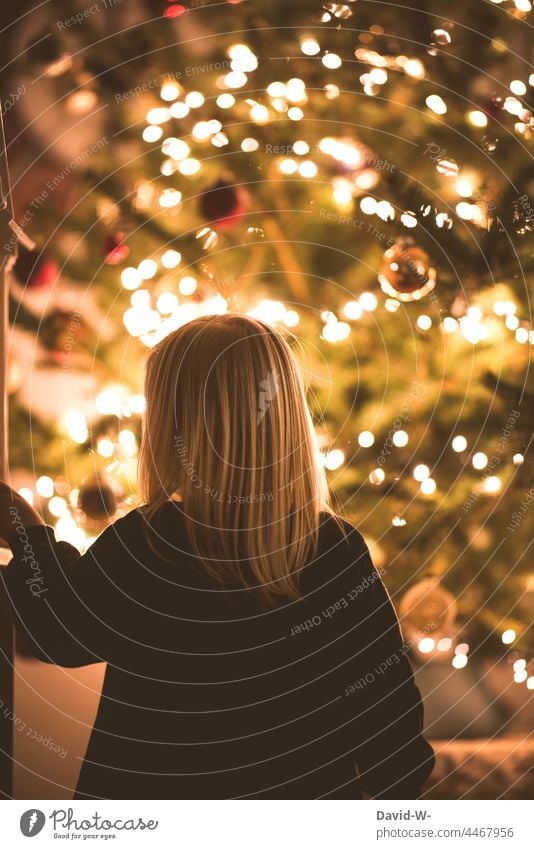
(222,203)
(34,269)
(427,610)
(406,273)
(97,498)
(115,249)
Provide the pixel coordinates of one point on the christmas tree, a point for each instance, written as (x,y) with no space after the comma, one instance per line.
(359,174)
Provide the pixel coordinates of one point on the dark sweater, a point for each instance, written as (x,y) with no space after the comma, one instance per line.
(207,694)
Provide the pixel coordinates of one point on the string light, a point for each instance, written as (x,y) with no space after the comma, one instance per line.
(334,459)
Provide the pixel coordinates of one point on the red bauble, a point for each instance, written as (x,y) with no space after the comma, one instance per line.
(34,269)
(114,248)
(222,204)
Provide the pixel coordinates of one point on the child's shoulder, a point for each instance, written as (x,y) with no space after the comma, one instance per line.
(340,535)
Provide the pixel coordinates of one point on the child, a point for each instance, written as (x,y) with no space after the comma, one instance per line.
(252,650)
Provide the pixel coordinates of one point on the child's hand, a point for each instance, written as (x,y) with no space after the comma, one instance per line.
(15,512)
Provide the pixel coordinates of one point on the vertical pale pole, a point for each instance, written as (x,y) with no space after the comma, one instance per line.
(7,252)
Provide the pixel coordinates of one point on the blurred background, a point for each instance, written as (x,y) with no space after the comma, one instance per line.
(358,173)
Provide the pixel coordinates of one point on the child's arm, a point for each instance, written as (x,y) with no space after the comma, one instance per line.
(57,595)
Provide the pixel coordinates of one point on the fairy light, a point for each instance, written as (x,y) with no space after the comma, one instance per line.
(512,322)
(168,167)
(377,476)
(436,104)
(169,198)
(520,676)
(301,147)
(177,149)
(140,300)
(530,683)
(159,115)
(368,205)
(366,439)
(57,506)
(518,87)
(414,68)
(334,459)
(259,114)
(295,90)
(398,522)
(269,311)
(331,91)
(171,258)
(187,285)
(459,444)
(194,99)
(521,335)
(201,130)
(310,47)
(308,169)
(459,661)
(426,645)
(169,91)
(152,134)
(295,114)
(464,187)
(400,438)
(492,484)
(76,426)
(128,442)
(166,303)
(225,101)
(519,664)
(26,494)
(428,486)
(368,301)
(331,61)
(276,89)
(508,636)
(189,167)
(408,219)
(291,318)
(518,459)
(385,210)
(243,60)
(353,310)
(424,322)
(249,145)
(235,79)
(45,486)
(147,268)
(445,644)
(288,166)
(137,404)
(480,460)
(179,110)
(342,192)
(477,118)
(105,447)
(421,472)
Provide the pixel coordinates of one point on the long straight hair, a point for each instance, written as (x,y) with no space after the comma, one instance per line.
(228,433)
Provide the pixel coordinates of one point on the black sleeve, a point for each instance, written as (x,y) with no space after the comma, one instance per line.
(60,598)
(381,708)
